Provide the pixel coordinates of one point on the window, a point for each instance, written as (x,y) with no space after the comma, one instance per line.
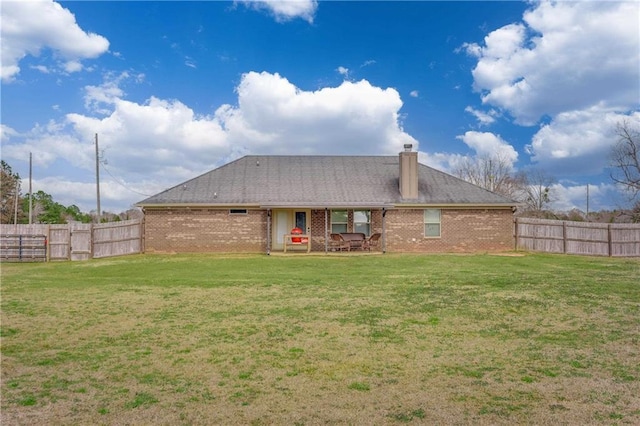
(362,221)
(432,223)
(339,221)
(237,211)
(301,221)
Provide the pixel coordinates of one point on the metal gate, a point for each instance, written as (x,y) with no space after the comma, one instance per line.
(23,248)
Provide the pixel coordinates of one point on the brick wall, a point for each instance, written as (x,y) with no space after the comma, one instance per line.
(205,230)
(462,230)
(210,230)
(317,229)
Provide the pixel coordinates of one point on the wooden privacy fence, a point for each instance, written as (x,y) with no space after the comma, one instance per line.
(81,241)
(559,236)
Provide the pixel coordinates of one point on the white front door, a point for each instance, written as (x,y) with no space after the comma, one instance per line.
(280,227)
(284,221)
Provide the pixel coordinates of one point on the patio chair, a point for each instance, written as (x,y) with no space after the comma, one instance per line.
(337,243)
(372,241)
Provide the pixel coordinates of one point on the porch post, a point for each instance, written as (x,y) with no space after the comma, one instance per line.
(384,231)
(326,236)
(268,232)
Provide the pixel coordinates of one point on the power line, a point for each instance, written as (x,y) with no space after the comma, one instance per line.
(104,166)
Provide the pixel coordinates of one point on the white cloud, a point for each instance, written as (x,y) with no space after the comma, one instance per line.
(483,144)
(41,68)
(159,143)
(7,132)
(285,10)
(28,27)
(72,66)
(188,61)
(100,98)
(343,71)
(578,141)
(484,118)
(486,144)
(446,162)
(114,196)
(566,56)
(568,196)
(349,119)
(414,94)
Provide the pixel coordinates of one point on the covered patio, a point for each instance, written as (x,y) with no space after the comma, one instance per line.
(326,229)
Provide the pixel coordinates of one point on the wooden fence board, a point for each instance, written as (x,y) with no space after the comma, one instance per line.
(81,244)
(59,242)
(596,239)
(80,241)
(118,238)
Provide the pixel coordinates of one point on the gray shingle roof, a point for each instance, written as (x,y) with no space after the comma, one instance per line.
(319,181)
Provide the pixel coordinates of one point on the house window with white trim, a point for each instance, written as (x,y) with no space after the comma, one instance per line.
(432,223)
(339,221)
(362,221)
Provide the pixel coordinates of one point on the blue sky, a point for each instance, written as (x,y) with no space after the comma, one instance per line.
(175,89)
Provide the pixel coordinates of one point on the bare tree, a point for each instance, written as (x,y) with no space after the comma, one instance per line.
(493,173)
(625,158)
(537,192)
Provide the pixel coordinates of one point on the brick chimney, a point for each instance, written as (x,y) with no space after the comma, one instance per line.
(408,173)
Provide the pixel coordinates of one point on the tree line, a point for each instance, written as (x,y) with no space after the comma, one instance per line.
(533,188)
(14,206)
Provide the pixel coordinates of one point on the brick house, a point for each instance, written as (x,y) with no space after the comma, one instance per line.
(251,204)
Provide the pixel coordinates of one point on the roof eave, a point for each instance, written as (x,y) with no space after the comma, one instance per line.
(457,205)
(197,205)
(317,206)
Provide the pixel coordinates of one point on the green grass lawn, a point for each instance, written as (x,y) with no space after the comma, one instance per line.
(379,339)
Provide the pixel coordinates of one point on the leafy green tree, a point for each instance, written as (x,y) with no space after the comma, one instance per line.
(73,212)
(45,210)
(9,189)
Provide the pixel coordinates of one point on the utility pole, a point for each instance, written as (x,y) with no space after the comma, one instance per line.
(587,202)
(97,180)
(30,187)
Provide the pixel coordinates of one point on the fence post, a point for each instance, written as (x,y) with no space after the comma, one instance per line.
(564,237)
(48,248)
(70,247)
(610,243)
(515,232)
(142,241)
(91,241)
